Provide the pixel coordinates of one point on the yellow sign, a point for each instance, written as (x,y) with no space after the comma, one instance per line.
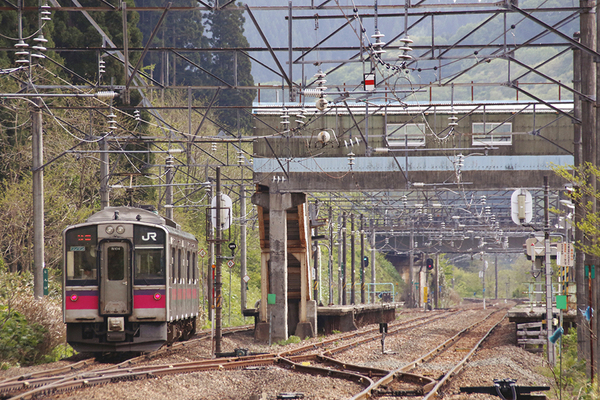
(425,294)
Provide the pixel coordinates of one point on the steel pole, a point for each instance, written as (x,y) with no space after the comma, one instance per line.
(104,175)
(38,199)
(548,270)
(373,277)
(352,263)
(218,283)
(343,288)
(243,247)
(330,269)
(362,259)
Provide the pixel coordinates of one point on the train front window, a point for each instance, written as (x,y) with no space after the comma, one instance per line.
(115,257)
(80,262)
(149,265)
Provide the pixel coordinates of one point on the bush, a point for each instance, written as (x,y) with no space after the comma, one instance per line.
(31,331)
(572,380)
(290,340)
(20,342)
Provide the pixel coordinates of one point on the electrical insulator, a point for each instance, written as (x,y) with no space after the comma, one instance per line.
(45,12)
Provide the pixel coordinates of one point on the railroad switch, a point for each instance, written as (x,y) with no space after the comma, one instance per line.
(507,390)
(239,352)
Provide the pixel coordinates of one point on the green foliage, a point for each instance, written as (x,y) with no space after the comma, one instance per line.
(179,30)
(76,31)
(31,331)
(20,342)
(291,340)
(227,29)
(569,374)
(513,277)
(583,179)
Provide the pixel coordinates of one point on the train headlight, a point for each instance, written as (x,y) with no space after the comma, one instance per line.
(157,296)
(73,297)
(120,230)
(109,229)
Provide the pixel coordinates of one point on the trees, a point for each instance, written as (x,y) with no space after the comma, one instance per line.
(227,29)
(77,32)
(179,30)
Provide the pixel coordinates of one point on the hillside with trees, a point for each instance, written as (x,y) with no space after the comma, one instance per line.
(75,127)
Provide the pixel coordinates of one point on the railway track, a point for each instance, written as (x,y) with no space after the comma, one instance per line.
(31,384)
(467,341)
(315,359)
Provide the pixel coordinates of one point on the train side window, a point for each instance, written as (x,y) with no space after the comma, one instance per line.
(173,263)
(179,263)
(189,266)
(194,266)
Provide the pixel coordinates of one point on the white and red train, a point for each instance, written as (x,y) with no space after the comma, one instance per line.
(130,282)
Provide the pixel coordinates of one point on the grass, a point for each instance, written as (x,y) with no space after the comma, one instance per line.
(569,375)
(290,340)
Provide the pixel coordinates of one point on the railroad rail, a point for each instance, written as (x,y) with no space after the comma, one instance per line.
(31,382)
(430,389)
(315,359)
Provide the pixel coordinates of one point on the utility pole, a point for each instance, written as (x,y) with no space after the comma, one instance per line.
(104,174)
(316,256)
(411,272)
(38,199)
(362,259)
(210,270)
(373,277)
(548,269)
(352,264)
(343,288)
(496,274)
(218,284)
(330,269)
(169,188)
(340,261)
(483,268)
(583,344)
(587,21)
(436,291)
(243,247)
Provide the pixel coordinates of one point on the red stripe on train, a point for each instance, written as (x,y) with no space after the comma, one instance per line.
(81,303)
(148,301)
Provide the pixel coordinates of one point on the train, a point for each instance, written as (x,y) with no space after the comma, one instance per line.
(130,282)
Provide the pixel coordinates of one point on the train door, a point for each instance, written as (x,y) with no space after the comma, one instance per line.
(115,285)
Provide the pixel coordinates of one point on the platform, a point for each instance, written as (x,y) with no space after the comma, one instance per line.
(347,318)
(524,314)
(531,328)
(351,317)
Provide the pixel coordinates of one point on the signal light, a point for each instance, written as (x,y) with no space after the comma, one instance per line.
(429,263)
(74,297)
(366,261)
(157,296)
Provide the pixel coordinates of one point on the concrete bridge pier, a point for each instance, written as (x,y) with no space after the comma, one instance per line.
(285,275)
